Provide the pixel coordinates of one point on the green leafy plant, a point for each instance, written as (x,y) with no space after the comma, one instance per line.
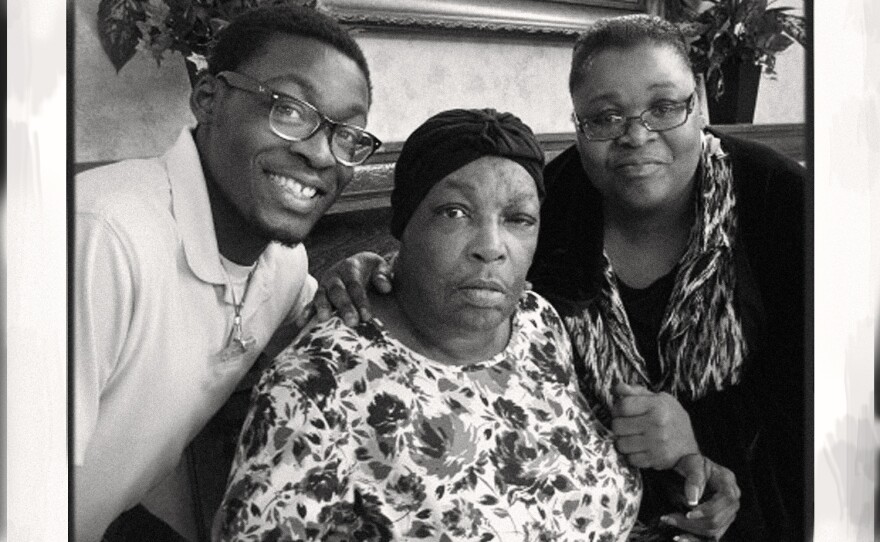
(749,30)
(158,27)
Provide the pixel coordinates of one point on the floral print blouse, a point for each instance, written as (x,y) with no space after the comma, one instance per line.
(353,436)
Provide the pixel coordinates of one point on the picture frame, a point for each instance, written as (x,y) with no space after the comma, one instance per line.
(558,18)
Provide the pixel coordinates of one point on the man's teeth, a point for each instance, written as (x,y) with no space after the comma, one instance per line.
(296,188)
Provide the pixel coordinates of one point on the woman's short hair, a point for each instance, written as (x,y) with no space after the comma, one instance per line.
(624,32)
(247,34)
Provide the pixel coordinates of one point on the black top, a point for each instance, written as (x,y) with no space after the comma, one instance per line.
(755,428)
(645,308)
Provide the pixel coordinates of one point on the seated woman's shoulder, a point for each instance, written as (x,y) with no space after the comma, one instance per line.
(327,347)
(535,307)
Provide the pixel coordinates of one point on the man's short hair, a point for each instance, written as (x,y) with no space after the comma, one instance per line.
(624,32)
(247,34)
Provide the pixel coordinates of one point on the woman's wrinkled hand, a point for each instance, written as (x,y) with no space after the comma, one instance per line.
(711,518)
(652,429)
(343,287)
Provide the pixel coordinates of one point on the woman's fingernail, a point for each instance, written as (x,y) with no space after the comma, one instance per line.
(667,520)
(693,496)
(694,514)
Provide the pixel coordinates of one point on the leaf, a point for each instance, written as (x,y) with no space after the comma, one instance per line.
(276,459)
(778,43)
(281,436)
(795,27)
(753,12)
(568,508)
(488,500)
(380,470)
(117,29)
(423,531)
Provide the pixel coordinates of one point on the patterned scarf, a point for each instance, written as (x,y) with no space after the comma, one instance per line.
(700,343)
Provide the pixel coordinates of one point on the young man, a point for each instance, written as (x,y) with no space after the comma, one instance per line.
(186,264)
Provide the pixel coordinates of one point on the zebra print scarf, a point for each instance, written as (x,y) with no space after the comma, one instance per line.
(700,343)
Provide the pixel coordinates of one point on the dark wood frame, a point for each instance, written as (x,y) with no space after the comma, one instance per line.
(560,18)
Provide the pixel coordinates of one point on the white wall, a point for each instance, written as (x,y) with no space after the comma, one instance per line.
(137,112)
(781,98)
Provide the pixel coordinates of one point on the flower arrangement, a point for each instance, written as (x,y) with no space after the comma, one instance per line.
(722,30)
(159,26)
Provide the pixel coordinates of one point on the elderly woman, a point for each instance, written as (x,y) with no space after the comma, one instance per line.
(676,258)
(454,414)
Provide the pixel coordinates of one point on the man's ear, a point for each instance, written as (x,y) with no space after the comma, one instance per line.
(204,96)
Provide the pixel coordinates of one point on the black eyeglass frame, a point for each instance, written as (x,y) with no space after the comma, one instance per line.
(248,84)
(581,125)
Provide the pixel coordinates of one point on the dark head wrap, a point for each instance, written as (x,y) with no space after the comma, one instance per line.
(451,140)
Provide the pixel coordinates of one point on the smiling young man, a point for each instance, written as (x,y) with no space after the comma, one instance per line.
(188,263)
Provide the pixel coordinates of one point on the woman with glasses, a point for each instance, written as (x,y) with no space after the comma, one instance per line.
(675,256)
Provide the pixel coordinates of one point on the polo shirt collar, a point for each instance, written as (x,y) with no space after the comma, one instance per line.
(192,209)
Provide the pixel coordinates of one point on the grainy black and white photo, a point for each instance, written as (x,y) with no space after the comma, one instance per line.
(391,270)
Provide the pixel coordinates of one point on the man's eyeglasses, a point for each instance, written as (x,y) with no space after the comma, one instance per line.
(297,120)
(658,118)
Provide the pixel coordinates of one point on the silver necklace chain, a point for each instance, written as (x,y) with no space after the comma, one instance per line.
(237,328)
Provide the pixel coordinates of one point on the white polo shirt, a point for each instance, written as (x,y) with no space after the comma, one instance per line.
(152,309)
